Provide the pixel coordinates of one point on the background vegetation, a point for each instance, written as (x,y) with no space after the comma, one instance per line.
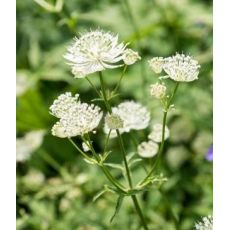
(55,187)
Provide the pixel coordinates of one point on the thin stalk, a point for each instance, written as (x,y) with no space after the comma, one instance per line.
(173,215)
(138,209)
(135,201)
(93,86)
(119,82)
(104,169)
(163,133)
(51,161)
(107,141)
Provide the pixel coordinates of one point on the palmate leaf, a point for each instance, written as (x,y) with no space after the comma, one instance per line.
(118,207)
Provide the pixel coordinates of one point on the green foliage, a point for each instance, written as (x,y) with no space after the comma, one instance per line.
(56,187)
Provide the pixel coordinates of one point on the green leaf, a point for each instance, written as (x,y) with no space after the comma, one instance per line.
(117,208)
(99,194)
(115,166)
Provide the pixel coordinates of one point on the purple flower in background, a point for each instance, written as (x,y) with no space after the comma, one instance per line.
(209,155)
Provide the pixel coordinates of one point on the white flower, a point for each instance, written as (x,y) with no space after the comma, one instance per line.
(156,64)
(94,51)
(113,121)
(22,83)
(181,68)
(158,90)
(85,146)
(156,134)
(205,224)
(147,149)
(130,56)
(64,104)
(134,117)
(28,144)
(76,118)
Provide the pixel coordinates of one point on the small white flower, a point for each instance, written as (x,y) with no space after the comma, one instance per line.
(134,117)
(59,130)
(205,224)
(94,51)
(64,104)
(156,64)
(158,90)
(156,134)
(85,146)
(76,118)
(22,84)
(147,149)
(113,121)
(130,56)
(181,68)
(28,144)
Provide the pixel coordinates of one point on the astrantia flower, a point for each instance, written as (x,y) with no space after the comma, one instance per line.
(147,149)
(134,117)
(113,121)
(28,144)
(156,64)
(158,90)
(181,68)
(205,224)
(63,104)
(130,57)
(156,134)
(76,118)
(94,51)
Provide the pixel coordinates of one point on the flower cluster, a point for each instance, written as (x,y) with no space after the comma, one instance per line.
(28,144)
(179,67)
(76,118)
(150,148)
(156,134)
(134,117)
(147,149)
(205,224)
(97,50)
(158,90)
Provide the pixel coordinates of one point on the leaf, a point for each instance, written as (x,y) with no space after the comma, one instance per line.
(115,166)
(117,208)
(99,194)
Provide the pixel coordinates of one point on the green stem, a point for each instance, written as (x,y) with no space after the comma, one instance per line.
(119,186)
(93,86)
(119,82)
(135,201)
(138,209)
(51,161)
(163,133)
(107,141)
(173,215)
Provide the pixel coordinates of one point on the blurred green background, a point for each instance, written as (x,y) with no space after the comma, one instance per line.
(55,187)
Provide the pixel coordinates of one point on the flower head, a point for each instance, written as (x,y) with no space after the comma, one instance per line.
(94,51)
(156,64)
(28,144)
(181,68)
(113,121)
(156,134)
(134,117)
(158,90)
(205,224)
(147,149)
(76,118)
(130,57)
